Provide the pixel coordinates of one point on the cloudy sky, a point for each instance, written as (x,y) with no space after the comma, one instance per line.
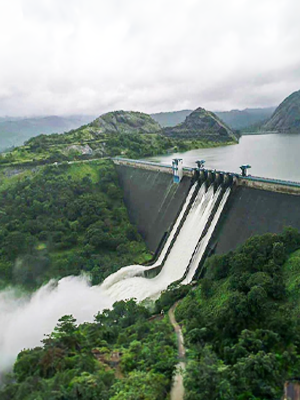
(92,56)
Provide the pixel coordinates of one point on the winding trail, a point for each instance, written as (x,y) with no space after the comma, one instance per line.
(177,391)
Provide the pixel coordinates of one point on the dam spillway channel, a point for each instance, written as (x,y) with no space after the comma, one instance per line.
(184,247)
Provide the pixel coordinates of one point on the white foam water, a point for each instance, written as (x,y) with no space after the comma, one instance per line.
(133,270)
(25,319)
(202,245)
(179,256)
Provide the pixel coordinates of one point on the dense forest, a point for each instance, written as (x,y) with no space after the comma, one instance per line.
(124,354)
(64,220)
(241,322)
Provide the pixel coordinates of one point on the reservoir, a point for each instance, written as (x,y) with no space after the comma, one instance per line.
(271,156)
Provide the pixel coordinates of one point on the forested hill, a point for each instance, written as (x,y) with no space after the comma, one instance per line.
(63,220)
(241,322)
(122,355)
(15,131)
(202,124)
(125,122)
(119,133)
(286,117)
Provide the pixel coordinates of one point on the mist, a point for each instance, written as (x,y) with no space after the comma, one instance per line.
(25,319)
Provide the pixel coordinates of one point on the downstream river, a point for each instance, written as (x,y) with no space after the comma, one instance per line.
(271,156)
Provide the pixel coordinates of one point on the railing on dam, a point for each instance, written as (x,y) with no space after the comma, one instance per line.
(270,180)
(188,171)
(140,162)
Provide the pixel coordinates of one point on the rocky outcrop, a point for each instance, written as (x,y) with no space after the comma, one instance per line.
(202,124)
(126,122)
(80,149)
(286,117)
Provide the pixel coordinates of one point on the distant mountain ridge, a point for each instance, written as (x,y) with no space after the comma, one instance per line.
(286,117)
(235,119)
(171,118)
(128,134)
(244,119)
(202,124)
(15,131)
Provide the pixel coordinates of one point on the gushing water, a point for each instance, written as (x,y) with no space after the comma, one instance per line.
(178,258)
(134,270)
(202,245)
(25,319)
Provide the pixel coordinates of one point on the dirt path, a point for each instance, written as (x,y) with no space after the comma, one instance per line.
(177,391)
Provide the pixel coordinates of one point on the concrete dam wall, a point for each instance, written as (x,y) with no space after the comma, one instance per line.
(255,205)
(152,199)
(251,212)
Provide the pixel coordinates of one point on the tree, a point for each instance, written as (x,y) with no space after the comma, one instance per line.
(279,253)
(140,385)
(207,379)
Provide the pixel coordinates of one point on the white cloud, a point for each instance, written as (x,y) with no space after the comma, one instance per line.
(92,56)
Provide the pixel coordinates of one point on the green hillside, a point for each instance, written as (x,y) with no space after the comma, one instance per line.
(62,220)
(126,122)
(122,355)
(240,325)
(241,322)
(286,117)
(120,133)
(202,124)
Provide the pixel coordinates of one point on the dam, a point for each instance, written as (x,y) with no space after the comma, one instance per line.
(232,208)
(181,253)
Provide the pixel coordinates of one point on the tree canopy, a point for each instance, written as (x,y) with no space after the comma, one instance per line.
(241,324)
(64,220)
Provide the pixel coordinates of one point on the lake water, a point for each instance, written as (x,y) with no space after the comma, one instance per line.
(271,156)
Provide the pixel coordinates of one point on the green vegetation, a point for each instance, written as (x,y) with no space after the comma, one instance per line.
(46,149)
(241,323)
(127,134)
(121,356)
(62,220)
(205,125)
(286,117)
